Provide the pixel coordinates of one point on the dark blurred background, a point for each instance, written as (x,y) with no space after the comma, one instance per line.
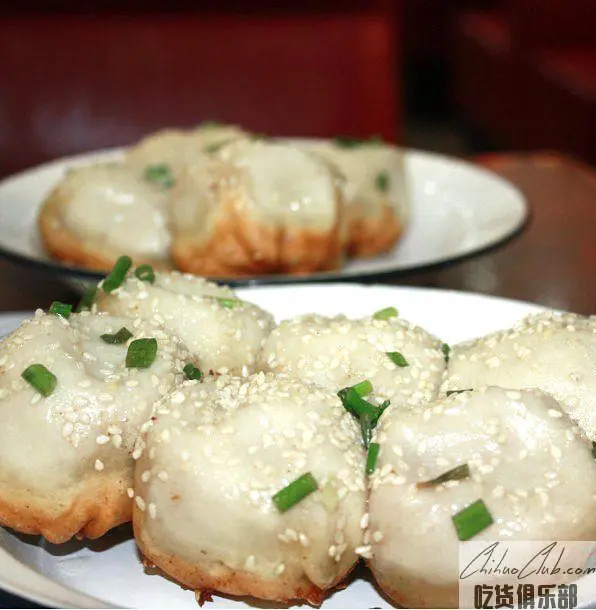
(456,76)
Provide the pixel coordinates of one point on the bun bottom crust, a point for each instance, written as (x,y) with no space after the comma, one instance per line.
(368,237)
(87,510)
(214,577)
(238,246)
(64,245)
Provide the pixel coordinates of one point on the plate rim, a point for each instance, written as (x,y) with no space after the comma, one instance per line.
(61,593)
(78,273)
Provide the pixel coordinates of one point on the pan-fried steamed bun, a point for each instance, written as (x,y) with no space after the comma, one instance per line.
(68,433)
(257,207)
(97,212)
(551,351)
(224,332)
(377,198)
(403,362)
(213,461)
(527,462)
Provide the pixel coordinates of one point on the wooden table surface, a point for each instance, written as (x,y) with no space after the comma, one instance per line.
(551,262)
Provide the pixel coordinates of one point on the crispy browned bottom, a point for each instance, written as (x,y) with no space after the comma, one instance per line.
(416,592)
(211,577)
(63,244)
(372,236)
(238,246)
(89,510)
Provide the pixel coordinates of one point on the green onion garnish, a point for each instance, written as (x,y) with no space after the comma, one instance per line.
(296,491)
(451,392)
(594,450)
(229,303)
(61,309)
(366,413)
(87,301)
(210,124)
(145,273)
(117,274)
(40,378)
(160,174)
(472,520)
(382,181)
(385,314)
(192,372)
(141,353)
(397,358)
(446,351)
(363,388)
(351,142)
(459,473)
(371,457)
(118,338)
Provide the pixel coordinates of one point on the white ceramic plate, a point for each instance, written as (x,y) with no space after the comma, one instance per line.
(108,573)
(458,209)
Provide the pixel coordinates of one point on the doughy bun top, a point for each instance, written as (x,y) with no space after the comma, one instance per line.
(177,147)
(550,351)
(98,404)
(108,203)
(374,175)
(531,467)
(280,184)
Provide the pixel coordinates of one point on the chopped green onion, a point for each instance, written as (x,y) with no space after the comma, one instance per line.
(117,274)
(594,450)
(141,353)
(446,351)
(397,358)
(40,378)
(213,148)
(160,174)
(118,338)
(383,181)
(87,301)
(210,124)
(351,142)
(385,314)
(459,473)
(61,309)
(451,392)
(145,273)
(363,388)
(371,457)
(472,520)
(192,372)
(366,413)
(229,303)
(296,491)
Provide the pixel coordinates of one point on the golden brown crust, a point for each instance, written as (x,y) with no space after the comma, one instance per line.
(369,237)
(216,577)
(66,246)
(89,510)
(238,246)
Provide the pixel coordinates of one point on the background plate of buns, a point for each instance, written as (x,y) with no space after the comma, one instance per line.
(233,206)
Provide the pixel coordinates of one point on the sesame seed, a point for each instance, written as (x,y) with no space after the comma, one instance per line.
(377,536)
(130,492)
(364,520)
(99,465)
(140,503)
(162,475)
(152,510)
(102,439)
(280,569)
(145,476)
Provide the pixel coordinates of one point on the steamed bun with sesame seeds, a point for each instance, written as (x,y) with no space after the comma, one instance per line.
(555,352)
(252,487)
(224,332)
(493,464)
(403,362)
(74,394)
